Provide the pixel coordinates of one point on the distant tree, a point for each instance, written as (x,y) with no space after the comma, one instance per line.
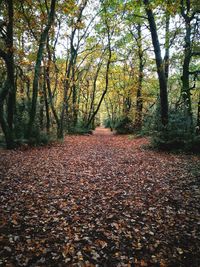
(109,32)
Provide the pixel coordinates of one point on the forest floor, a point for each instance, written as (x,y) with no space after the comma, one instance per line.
(99,200)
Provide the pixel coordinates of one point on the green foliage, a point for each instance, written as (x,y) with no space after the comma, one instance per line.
(176,135)
(193,144)
(108,123)
(79,128)
(21,120)
(124,126)
(38,138)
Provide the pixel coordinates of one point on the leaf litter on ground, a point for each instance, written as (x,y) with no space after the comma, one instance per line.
(99,200)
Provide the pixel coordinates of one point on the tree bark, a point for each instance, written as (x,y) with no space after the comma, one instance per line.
(185,75)
(58,122)
(9,87)
(74,90)
(10,66)
(42,42)
(94,89)
(166,57)
(46,104)
(139,100)
(198,118)
(159,64)
(186,95)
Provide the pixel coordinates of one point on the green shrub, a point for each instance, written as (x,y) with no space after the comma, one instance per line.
(38,137)
(124,126)
(176,135)
(108,123)
(79,130)
(193,144)
(165,140)
(21,120)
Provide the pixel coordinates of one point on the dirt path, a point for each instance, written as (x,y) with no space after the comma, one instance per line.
(100,200)
(102,131)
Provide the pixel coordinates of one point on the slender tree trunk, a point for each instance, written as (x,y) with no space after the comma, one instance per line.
(42,42)
(139,100)
(41,104)
(185,76)
(46,105)
(10,67)
(74,88)
(198,118)
(166,57)
(69,70)
(74,98)
(159,64)
(41,112)
(106,86)
(94,89)
(72,72)
(58,122)
(110,117)
(91,119)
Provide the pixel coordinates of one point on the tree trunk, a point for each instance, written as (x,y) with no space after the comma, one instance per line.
(74,88)
(69,77)
(74,99)
(6,129)
(139,100)
(104,92)
(9,87)
(46,105)
(166,57)
(58,122)
(198,118)
(94,89)
(91,119)
(185,77)
(186,95)
(10,66)
(159,64)
(42,42)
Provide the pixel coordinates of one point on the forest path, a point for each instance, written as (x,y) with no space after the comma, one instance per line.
(102,131)
(100,200)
